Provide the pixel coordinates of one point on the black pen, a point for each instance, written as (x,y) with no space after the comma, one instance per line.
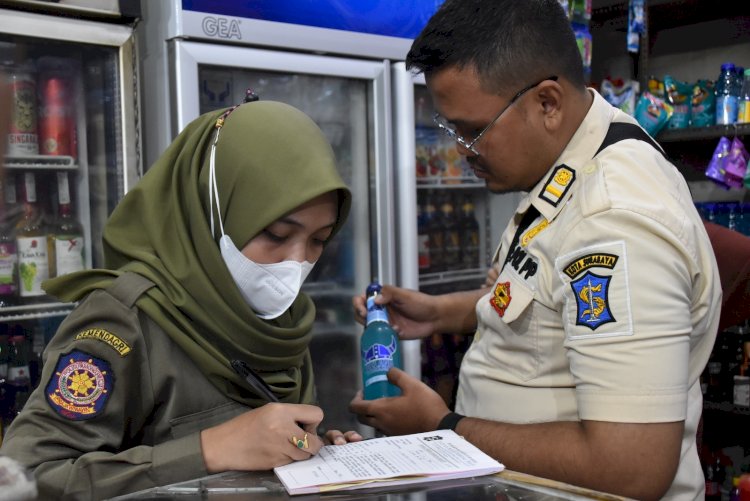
(254,380)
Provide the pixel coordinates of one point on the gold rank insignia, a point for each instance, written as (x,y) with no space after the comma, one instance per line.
(558,184)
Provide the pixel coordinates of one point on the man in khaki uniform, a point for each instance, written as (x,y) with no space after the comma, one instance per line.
(590,343)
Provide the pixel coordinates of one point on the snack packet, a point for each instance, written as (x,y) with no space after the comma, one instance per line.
(703,104)
(679,95)
(715,170)
(652,113)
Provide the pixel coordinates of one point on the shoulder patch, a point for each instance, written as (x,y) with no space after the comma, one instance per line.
(80,386)
(596,291)
(558,184)
(120,346)
(592,295)
(583,263)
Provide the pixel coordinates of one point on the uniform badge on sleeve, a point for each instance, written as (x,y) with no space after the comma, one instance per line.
(80,386)
(592,296)
(500,298)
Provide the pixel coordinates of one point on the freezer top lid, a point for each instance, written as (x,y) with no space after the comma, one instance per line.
(374,28)
(117,10)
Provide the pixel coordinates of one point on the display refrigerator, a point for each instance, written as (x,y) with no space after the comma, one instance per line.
(71,150)
(333,61)
(448,222)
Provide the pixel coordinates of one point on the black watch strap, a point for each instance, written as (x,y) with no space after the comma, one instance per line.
(450,421)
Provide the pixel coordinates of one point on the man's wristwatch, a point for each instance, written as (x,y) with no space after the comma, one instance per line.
(450,421)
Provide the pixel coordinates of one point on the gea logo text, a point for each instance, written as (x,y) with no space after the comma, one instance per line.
(222,27)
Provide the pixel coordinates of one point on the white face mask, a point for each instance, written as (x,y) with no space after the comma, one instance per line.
(269,289)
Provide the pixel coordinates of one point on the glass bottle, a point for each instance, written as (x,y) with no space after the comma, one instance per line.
(379,348)
(33,266)
(469,235)
(435,232)
(743,115)
(423,239)
(8,254)
(451,233)
(727,95)
(65,244)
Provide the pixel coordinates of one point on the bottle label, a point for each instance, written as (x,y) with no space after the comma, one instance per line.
(742,393)
(375,312)
(377,360)
(33,267)
(63,190)
(423,246)
(743,115)
(18,375)
(8,263)
(726,110)
(68,254)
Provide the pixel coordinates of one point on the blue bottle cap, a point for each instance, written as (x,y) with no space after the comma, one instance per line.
(373,288)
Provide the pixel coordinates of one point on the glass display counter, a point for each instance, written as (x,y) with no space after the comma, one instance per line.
(264,486)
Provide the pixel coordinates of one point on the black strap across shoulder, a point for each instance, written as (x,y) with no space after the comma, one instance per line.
(617,132)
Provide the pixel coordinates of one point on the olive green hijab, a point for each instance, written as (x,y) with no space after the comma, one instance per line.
(270,159)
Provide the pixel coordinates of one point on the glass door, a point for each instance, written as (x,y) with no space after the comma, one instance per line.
(70,154)
(345,98)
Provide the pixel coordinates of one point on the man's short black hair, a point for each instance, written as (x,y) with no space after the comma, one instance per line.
(510,43)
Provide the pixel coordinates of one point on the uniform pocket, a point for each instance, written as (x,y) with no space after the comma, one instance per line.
(511,337)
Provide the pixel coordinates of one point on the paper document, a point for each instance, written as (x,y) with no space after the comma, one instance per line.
(422,457)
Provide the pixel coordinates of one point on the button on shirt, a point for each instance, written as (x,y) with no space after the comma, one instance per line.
(608,306)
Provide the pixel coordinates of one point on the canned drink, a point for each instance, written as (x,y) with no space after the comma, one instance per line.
(55,117)
(22,133)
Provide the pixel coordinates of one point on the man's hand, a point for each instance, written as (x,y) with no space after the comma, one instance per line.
(412,314)
(417,409)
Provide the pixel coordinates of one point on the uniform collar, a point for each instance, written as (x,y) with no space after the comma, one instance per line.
(555,188)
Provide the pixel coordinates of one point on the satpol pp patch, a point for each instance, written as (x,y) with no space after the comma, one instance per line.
(80,386)
(500,298)
(597,297)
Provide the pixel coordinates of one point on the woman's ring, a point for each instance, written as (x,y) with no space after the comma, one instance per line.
(299,443)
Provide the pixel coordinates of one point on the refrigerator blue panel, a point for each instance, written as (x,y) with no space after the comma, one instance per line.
(395,18)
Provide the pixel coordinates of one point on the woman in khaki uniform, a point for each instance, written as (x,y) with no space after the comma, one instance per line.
(146,381)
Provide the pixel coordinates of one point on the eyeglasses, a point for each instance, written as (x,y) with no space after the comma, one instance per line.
(446,127)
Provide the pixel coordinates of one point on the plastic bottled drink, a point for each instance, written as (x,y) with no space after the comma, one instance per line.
(743,115)
(727,95)
(379,348)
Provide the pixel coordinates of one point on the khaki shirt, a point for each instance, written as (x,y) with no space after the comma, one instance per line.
(119,407)
(608,308)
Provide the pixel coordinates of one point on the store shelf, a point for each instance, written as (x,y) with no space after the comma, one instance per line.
(42,162)
(727,407)
(702,133)
(465,182)
(453,276)
(35,311)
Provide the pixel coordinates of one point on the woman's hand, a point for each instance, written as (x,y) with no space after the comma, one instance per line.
(261,439)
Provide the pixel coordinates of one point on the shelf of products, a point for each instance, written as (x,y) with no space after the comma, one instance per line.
(690,40)
(703,133)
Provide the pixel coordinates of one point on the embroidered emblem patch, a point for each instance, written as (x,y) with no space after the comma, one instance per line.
(80,386)
(500,298)
(115,342)
(558,184)
(592,296)
(602,260)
